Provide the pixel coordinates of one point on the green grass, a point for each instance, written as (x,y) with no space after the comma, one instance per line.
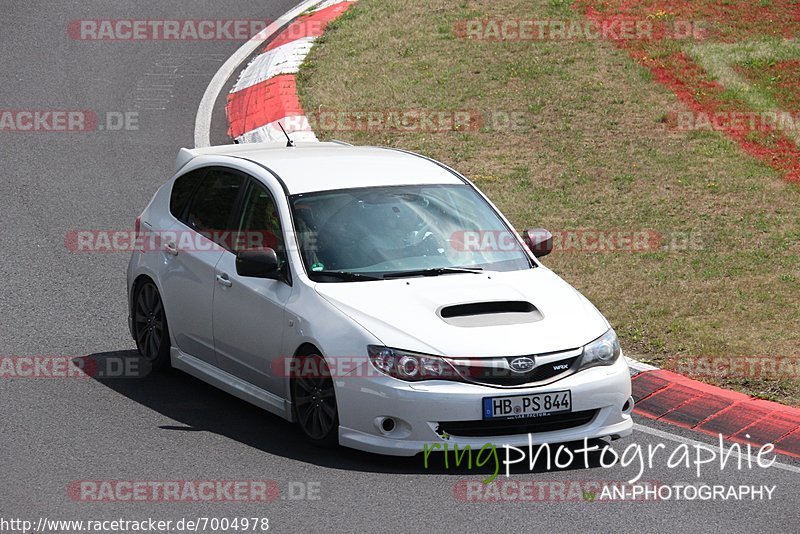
(593,153)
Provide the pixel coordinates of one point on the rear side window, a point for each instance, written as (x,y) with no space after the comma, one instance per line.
(214,201)
(182,191)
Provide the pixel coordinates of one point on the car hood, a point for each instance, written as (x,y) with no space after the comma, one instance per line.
(405,313)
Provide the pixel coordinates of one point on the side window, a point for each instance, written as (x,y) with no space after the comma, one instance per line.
(260,225)
(182,191)
(213,204)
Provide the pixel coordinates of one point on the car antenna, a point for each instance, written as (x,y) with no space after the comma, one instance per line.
(289,142)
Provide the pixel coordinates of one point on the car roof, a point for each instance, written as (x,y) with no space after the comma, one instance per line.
(310,167)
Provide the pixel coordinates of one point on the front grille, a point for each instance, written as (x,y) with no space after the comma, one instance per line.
(489,373)
(510,427)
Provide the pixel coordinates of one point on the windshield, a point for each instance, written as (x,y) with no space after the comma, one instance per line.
(414,230)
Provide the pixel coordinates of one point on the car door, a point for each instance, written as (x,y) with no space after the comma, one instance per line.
(193,251)
(248,313)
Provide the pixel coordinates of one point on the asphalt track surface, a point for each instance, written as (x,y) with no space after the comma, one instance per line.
(169,426)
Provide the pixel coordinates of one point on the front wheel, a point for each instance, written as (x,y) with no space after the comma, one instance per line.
(150,326)
(315,401)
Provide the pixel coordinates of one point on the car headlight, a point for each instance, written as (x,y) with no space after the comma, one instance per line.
(602,351)
(410,366)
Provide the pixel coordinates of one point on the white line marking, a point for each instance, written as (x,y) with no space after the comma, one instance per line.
(688,441)
(202,123)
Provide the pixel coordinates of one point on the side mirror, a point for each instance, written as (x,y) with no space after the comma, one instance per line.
(260,263)
(539,241)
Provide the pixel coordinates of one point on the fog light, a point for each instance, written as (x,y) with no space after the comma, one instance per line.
(387,425)
(627,408)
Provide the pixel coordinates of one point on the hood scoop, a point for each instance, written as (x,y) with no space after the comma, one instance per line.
(492,313)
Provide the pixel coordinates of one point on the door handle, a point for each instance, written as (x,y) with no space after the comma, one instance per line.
(224,280)
(171,249)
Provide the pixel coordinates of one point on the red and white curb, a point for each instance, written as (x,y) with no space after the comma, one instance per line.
(266,92)
(675,399)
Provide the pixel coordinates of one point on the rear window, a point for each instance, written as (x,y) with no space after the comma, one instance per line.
(182,191)
(212,205)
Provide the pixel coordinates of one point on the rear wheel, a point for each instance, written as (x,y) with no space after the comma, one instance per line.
(150,326)
(315,401)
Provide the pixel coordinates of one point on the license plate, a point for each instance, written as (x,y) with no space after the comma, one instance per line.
(522,406)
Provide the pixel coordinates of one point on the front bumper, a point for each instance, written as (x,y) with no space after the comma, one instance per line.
(417,409)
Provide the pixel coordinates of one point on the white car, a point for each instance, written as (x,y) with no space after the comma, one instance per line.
(374,296)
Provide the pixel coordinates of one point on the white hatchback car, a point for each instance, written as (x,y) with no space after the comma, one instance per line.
(374,296)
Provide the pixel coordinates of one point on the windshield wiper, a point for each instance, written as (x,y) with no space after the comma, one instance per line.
(343,275)
(437,271)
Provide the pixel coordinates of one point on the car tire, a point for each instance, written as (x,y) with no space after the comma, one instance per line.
(150,329)
(314,400)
